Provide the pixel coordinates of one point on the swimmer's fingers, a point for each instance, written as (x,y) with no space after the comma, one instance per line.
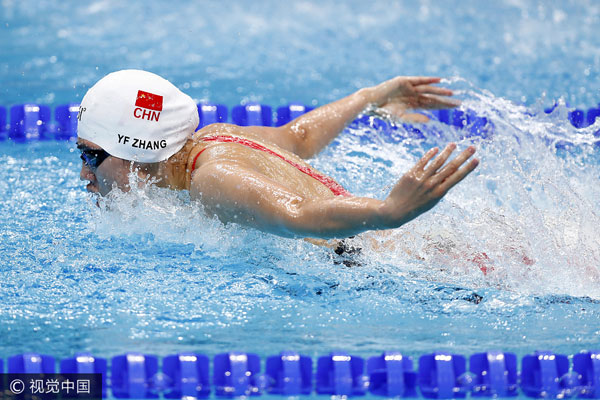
(415,118)
(428,89)
(422,80)
(432,101)
(458,175)
(439,161)
(399,111)
(451,173)
(420,165)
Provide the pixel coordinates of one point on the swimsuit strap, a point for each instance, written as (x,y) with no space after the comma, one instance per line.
(332,185)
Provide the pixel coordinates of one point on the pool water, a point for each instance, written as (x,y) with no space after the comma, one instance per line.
(147,271)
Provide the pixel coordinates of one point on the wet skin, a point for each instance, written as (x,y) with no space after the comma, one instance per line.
(112,172)
(247,186)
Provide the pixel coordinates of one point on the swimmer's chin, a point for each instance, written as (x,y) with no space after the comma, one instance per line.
(90,187)
(93,190)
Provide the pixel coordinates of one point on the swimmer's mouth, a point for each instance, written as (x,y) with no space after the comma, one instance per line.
(91,187)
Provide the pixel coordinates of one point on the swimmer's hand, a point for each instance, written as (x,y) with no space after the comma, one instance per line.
(424,185)
(403,93)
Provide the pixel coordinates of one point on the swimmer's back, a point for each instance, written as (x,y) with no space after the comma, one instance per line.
(246,146)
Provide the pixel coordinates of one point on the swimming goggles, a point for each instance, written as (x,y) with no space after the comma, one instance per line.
(92,157)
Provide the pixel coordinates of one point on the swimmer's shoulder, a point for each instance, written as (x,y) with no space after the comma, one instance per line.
(204,150)
(215,132)
(269,136)
(224,129)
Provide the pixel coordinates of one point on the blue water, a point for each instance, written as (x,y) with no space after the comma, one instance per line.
(147,271)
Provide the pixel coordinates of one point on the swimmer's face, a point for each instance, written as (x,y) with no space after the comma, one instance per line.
(110,172)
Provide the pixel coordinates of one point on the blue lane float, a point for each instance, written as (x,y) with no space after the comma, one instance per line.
(582,118)
(210,113)
(495,374)
(66,121)
(577,118)
(592,115)
(290,112)
(288,374)
(85,363)
(3,125)
(252,114)
(235,374)
(187,376)
(391,375)
(587,367)
(542,374)
(31,363)
(30,122)
(468,122)
(341,374)
(440,375)
(131,376)
(372,122)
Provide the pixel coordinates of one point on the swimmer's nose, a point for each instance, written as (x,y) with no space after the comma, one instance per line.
(86,173)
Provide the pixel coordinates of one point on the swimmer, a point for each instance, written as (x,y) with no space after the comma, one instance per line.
(254,175)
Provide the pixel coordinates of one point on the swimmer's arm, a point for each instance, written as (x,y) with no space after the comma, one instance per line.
(237,193)
(308,134)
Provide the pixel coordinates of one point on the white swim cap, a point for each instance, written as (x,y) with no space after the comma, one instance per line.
(137,115)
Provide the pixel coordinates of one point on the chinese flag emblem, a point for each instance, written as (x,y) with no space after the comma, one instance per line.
(150,101)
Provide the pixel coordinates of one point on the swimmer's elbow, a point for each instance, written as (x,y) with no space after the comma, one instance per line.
(295,220)
(300,136)
(310,218)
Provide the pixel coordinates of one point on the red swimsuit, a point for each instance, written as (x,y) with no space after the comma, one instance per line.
(332,185)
